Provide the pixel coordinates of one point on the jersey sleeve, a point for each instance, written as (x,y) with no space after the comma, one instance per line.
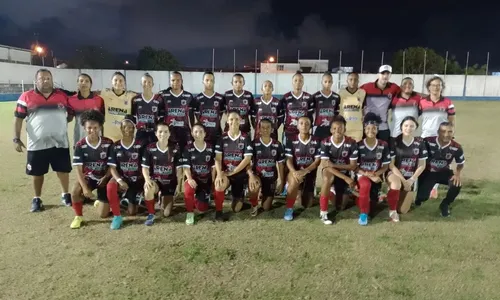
(248,147)
(146,159)
(459,156)
(78,156)
(288,148)
(318,151)
(178,158)
(451,108)
(192,102)
(186,159)
(354,152)
(323,149)
(21,111)
(392,148)
(281,109)
(219,146)
(253,109)
(280,157)
(112,159)
(422,153)
(386,155)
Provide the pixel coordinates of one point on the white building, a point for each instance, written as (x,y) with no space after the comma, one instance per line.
(304,65)
(15,55)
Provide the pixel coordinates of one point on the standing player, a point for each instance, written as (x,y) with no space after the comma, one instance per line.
(442,150)
(90,158)
(240,100)
(209,109)
(159,169)
(339,155)
(303,158)
(147,108)
(408,157)
(233,155)
(352,101)
(294,105)
(373,161)
(197,161)
(327,106)
(84,100)
(404,104)
(117,104)
(266,107)
(267,174)
(125,165)
(379,96)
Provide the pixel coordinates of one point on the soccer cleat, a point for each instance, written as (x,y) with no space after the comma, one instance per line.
(445,210)
(116,223)
(96,203)
(77,222)
(288,214)
(219,216)
(324,218)
(150,220)
(190,218)
(363,219)
(255,210)
(37,205)
(434,193)
(393,216)
(66,199)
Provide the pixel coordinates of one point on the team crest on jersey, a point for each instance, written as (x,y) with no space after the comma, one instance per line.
(273,110)
(344,153)
(304,104)
(135,155)
(216,103)
(154,109)
(207,158)
(119,154)
(60,106)
(389,96)
(334,102)
(448,155)
(379,155)
(133,178)
(312,150)
(103,155)
(273,152)
(183,102)
(241,146)
(416,151)
(245,101)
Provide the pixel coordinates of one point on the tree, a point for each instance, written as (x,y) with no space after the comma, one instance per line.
(156,60)
(93,57)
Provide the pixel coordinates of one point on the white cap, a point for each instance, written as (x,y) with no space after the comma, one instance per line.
(385,68)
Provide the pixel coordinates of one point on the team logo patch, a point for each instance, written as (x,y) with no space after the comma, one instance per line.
(416,151)
(312,150)
(241,146)
(304,104)
(133,178)
(60,106)
(389,96)
(334,102)
(273,110)
(273,152)
(379,155)
(103,155)
(216,103)
(183,102)
(154,109)
(448,155)
(135,155)
(245,101)
(344,153)
(207,158)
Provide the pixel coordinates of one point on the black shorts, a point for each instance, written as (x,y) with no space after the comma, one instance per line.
(179,137)
(238,183)
(101,191)
(167,189)
(268,187)
(132,194)
(322,132)
(309,183)
(38,161)
(146,137)
(339,185)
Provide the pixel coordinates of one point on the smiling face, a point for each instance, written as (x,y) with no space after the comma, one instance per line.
(337,130)
(198,133)
(233,121)
(408,127)
(118,82)
(407,86)
(92,128)
(147,83)
(128,129)
(371,131)
(162,133)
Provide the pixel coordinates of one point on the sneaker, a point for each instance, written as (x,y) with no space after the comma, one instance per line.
(150,220)
(324,218)
(363,219)
(219,216)
(393,216)
(96,203)
(116,223)
(288,214)
(445,210)
(255,210)
(66,199)
(77,222)
(190,218)
(434,193)
(37,205)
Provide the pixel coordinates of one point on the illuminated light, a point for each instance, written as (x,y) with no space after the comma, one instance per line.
(271,59)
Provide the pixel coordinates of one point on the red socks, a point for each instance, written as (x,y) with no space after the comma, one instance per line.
(393,199)
(114,200)
(150,205)
(78,208)
(323,203)
(219,200)
(188,197)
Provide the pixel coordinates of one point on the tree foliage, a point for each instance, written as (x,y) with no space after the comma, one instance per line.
(156,60)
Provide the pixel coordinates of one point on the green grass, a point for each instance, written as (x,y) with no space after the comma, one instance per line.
(423,257)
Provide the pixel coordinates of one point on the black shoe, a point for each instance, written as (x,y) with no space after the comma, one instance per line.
(418,202)
(445,209)
(36,205)
(66,199)
(219,216)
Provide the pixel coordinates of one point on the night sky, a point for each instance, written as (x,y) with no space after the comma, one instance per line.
(191,28)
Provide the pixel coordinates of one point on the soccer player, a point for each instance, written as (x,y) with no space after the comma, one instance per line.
(379,96)
(159,169)
(442,150)
(147,108)
(408,157)
(303,158)
(327,106)
(117,104)
(45,111)
(197,161)
(373,161)
(294,105)
(267,172)
(352,101)
(179,113)
(404,104)
(209,109)
(233,155)
(125,166)
(339,155)
(240,100)
(266,107)
(91,158)
(84,100)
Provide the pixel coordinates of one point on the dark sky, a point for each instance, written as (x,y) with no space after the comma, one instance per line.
(191,28)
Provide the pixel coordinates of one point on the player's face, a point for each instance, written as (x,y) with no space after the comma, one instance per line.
(435,87)
(327,82)
(176,82)
(384,77)
(238,83)
(209,81)
(233,120)
(118,82)
(128,129)
(371,131)
(265,129)
(352,81)
(408,127)
(446,133)
(84,84)
(298,82)
(407,86)
(337,130)
(304,125)
(147,83)
(198,133)
(44,82)
(162,133)
(92,128)
(267,88)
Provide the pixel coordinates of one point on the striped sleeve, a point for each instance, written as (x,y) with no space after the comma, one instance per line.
(21,107)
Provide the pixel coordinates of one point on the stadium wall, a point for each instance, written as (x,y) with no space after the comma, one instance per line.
(458,87)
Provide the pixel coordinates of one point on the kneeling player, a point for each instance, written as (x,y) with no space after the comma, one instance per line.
(125,166)
(90,158)
(303,158)
(233,155)
(339,155)
(373,161)
(160,166)
(442,150)
(197,162)
(267,168)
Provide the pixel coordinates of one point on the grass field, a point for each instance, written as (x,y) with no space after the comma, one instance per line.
(423,257)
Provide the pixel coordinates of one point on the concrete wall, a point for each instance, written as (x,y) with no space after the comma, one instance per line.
(477,86)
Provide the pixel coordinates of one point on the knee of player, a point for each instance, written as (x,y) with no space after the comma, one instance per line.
(394,182)
(77,190)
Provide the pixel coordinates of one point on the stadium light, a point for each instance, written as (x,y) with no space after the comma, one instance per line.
(126,62)
(39,50)
(271,59)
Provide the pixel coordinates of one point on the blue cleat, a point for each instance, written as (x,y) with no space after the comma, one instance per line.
(116,223)
(150,220)
(36,205)
(66,199)
(288,214)
(363,219)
